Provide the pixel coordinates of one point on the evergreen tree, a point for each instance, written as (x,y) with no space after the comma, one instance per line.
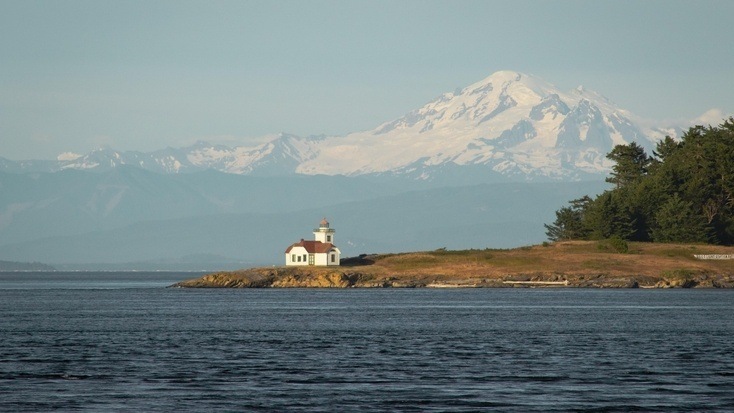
(685,193)
(677,221)
(630,164)
(569,223)
(665,148)
(608,217)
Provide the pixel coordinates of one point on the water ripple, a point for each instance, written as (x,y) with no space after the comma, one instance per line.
(316,351)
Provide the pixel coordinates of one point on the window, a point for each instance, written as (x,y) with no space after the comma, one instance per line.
(299,258)
(304,257)
(328,238)
(333,257)
(293,257)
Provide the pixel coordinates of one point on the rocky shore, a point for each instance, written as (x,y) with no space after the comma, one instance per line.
(568,264)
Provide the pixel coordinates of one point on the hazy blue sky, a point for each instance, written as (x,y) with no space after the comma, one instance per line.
(142,75)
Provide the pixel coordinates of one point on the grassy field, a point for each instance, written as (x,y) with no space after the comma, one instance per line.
(563,260)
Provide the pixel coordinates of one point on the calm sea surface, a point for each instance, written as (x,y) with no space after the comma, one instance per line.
(123,342)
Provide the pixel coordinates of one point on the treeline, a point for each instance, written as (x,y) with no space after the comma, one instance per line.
(683,193)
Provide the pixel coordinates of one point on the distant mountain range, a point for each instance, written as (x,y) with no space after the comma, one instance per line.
(483,166)
(208,220)
(507,126)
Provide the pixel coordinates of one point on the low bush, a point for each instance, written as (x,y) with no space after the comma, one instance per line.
(615,244)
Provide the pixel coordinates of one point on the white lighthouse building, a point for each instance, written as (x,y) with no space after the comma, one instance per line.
(320,251)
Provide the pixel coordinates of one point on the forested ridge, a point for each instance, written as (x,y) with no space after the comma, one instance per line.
(683,192)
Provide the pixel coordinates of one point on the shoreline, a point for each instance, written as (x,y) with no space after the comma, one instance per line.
(573,264)
(239,280)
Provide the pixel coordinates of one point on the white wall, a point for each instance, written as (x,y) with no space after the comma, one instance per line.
(325,259)
(319,259)
(300,253)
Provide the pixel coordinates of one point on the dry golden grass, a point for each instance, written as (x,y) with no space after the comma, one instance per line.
(573,257)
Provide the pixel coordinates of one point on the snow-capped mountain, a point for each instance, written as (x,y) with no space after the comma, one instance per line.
(509,124)
(279,156)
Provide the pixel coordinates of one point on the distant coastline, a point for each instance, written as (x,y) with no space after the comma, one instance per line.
(15,266)
(581,264)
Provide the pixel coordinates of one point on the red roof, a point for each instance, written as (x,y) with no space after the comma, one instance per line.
(312,247)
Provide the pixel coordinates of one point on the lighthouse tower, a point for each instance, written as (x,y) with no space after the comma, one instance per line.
(323,233)
(320,251)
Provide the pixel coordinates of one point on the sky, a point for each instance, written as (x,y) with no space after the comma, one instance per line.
(144,75)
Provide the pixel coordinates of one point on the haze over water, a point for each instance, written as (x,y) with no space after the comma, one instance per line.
(133,345)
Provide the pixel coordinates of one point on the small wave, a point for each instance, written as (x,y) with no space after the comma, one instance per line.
(43,376)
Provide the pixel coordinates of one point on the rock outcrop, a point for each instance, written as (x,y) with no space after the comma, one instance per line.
(306,278)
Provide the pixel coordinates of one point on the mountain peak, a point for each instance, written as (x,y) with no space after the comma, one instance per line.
(498,80)
(506,75)
(509,123)
(68,156)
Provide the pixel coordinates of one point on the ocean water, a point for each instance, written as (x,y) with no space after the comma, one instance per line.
(124,342)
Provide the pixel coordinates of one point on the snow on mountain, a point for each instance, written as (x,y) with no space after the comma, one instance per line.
(278,157)
(509,124)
